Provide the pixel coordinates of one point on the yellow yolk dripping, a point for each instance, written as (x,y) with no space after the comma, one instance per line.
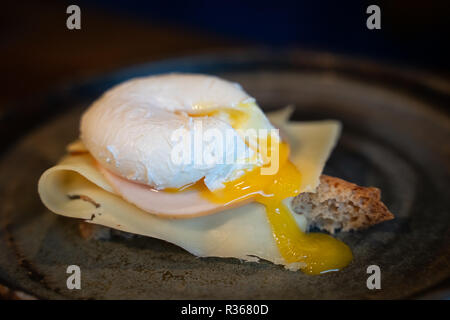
(316,252)
(234,116)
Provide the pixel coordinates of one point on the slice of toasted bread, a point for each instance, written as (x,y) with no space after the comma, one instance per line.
(336,205)
(341,205)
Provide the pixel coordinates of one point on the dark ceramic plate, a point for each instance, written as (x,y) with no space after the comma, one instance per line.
(396,137)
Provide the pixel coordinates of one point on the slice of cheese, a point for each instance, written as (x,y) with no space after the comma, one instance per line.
(76,188)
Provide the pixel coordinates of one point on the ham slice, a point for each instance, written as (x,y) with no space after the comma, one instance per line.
(181,204)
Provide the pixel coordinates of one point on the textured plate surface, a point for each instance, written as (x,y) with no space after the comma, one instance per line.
(395,136)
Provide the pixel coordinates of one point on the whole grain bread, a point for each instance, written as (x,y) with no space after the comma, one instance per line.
(336,205)
(341,205)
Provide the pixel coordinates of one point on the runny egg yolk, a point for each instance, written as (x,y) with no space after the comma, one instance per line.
(235,117)
(316,252)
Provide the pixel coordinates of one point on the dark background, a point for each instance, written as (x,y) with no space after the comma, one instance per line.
(38,51)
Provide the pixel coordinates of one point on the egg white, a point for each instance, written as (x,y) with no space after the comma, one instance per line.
(129,130)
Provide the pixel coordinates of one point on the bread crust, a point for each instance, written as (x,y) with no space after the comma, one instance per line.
(341,205)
